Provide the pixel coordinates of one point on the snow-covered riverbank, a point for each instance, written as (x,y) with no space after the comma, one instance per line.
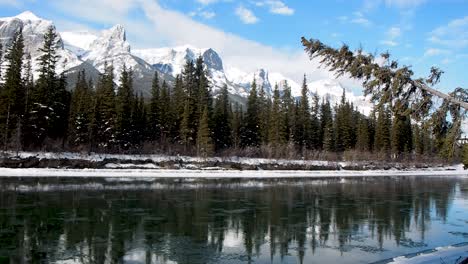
(215,173)
(67,160)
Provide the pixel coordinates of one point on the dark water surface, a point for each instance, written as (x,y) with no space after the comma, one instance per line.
(232,221)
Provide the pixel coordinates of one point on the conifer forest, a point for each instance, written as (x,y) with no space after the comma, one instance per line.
(185,117)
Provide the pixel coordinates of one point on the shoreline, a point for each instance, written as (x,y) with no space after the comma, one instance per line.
(119,162)
(221,174)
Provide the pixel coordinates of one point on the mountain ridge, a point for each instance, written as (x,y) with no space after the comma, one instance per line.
(83,50)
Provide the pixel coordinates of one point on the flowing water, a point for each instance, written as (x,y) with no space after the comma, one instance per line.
(358,220)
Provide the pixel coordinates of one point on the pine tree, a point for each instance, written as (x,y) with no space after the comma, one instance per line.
(104,117)
(275,136)
(329,136)
(418,141)
(363,137)
(138,124)
(382,141)
(250,136)
(12,94)
(190,117)
(204,141)
(155,120)
(326,118)
(264,108)
(287,112)
(222,121)
(304,120)
(177,108)
(315,124)
(166,117)
(124,105)
(345,133)
(28,81)
(50,99)
(402,140)
(236,124)
(81,112)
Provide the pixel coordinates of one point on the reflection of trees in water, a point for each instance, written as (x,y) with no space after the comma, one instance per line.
(190,226)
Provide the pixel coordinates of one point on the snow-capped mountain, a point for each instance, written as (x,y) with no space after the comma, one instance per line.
(172,60)
(93,50)
(34,29)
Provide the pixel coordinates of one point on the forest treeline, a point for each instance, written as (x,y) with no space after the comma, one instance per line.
(185,117)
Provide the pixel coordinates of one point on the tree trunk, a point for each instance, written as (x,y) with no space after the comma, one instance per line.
(442,95)
(5,138)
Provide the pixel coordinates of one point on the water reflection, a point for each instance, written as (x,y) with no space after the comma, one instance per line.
(358,221)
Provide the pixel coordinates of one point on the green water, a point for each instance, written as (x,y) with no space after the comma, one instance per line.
(293,221)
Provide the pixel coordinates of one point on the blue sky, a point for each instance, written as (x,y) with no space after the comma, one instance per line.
(266,33)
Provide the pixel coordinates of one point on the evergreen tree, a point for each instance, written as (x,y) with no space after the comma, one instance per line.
(264,107)
(363,136)
(304,120)
(166,115)
(50,99)
(382,130)
(275,136)
(315,124)
(345,133)
(138,124)
(287,111)
(124,105)
(222,121)
(402,140)
(418,141)
(104,118)
(326,119)
(329,136)
(190,117)
(155,120)
(236,124)
(177,108)
(81,112)
(12,94)
(250,136)
(204,142)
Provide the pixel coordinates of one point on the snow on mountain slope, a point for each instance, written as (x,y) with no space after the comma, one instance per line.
(34,29)
(333,90)
(78,42)
(172,60)
(330,89)
(76,49)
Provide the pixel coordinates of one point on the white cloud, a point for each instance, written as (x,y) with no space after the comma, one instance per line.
(206,2)
(404,3)
(203,13)
(246,15)
(435,52)
(276,7)
(357,18)
(392,34)
(401,4)
(361,21)
(389,43)
(454,34)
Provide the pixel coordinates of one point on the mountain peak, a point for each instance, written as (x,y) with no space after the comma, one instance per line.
(118,32)
(28,15)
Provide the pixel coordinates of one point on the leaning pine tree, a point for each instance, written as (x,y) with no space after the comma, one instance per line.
(394,85)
